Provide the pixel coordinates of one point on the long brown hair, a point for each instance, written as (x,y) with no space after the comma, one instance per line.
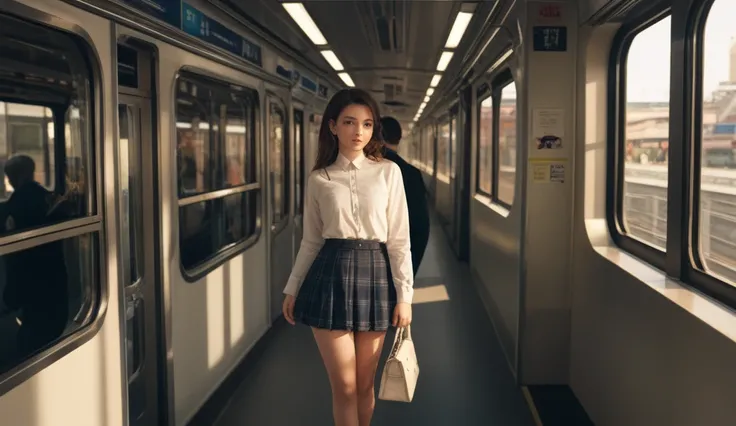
(328,145)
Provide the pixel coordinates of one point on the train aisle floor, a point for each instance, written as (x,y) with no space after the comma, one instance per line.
(464,378)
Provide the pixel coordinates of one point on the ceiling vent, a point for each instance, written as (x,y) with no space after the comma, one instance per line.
(383,23)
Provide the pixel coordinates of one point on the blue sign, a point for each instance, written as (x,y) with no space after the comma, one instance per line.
(199,25)
(309,84)
(550,39)
(322,91)
(168,11)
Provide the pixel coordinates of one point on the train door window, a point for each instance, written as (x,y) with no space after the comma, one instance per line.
(453,146)
(504,148)
(216,167)
(443,152)
(299,163)
(715,232)
(132,187)
(485,146)
(49,278)
(279,165)
(431,148)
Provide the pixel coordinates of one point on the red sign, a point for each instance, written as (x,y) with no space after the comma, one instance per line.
(550,11)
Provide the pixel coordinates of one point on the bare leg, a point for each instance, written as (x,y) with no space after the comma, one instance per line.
(338,353)
(368,345)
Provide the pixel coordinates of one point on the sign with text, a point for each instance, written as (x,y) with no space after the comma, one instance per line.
(195,23)
(550,39)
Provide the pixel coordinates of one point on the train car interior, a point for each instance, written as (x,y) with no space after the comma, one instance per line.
(578,160)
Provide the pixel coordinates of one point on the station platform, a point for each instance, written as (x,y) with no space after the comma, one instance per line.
(465,379)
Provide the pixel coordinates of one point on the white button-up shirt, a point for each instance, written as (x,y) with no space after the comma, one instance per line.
(361,199)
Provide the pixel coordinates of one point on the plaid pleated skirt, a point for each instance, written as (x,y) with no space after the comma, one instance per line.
(348,287)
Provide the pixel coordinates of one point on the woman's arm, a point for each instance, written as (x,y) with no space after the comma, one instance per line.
(398,242)
(312,240)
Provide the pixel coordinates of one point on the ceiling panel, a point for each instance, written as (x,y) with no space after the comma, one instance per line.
(389,47)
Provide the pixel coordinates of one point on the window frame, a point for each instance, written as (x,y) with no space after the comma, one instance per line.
(693,269)
(231,250)
(92,224)
(681,260)
(616,146)
(503,79)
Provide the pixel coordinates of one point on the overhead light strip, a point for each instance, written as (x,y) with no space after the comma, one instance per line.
(458,29)
(332,60)
(462,20)
(299,14)
(346,79)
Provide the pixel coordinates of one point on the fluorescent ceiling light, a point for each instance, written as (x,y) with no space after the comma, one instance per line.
(458,29)
(435,80)
(430,91)
(300,15)
(346,79)
(422,105)
(332,60)
(426,99)
(444,61)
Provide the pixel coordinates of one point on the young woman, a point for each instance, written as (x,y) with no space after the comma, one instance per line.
(353,275)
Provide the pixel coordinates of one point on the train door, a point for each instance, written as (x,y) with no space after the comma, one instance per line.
(137,157)
(299,177)
(282,228)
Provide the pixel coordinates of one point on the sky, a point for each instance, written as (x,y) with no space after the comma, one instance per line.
(649,57)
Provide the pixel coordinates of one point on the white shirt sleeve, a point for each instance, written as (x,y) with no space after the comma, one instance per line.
(312,240)
(398,242)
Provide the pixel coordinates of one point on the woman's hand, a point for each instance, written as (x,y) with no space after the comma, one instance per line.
(402,315)
(288,309)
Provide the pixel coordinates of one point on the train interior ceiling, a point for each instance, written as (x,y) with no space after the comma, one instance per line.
(579,158)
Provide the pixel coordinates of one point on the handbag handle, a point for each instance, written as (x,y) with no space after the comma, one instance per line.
(406,332)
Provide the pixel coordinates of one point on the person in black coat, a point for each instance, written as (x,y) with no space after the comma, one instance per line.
(416,193)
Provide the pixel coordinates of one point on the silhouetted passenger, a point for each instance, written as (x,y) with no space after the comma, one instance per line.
(416,193)
(37,283)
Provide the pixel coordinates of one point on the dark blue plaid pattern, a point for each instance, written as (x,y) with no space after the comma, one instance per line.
(348,287)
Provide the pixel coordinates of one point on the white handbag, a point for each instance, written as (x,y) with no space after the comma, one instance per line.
(401,371)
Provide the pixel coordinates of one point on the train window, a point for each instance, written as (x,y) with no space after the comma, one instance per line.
(485,138)
(443,152)
(716,198)
(216,168)
(645,136)
(504,149)
(430,148)
(49,280)
(279,164)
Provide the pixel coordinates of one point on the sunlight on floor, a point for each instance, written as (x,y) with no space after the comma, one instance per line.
(436,293)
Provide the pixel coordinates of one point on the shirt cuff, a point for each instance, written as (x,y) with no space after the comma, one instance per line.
(404,293)
(292,286)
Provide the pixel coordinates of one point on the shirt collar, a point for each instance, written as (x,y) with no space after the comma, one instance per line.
(344,163)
